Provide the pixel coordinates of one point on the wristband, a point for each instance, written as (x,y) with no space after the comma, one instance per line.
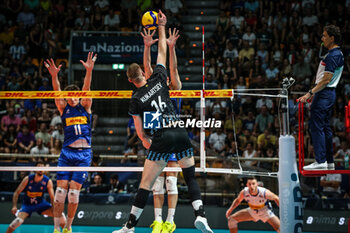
(310,92)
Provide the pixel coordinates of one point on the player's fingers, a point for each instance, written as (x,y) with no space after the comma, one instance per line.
(154,31)
(52,62)
(94,58)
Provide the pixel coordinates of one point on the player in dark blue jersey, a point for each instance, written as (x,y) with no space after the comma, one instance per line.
(152,96)
(76,151)
(327,78)
(34,187)
(170,177)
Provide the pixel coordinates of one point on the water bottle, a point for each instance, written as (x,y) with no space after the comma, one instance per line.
(346,160)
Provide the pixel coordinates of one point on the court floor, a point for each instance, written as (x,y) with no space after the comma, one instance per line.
(92,229)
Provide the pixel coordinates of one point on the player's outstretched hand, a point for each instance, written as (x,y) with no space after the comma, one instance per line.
(161,18)
(90,61)
(173,36)
(148,37)
(51,67)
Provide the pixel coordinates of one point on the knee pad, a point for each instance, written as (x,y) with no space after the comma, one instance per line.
(232,223)
(158,187)
(60,195)
(73,196)
(171,185)
(16,223)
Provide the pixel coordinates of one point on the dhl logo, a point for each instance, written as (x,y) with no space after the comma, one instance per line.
(34,194)
(77,94)
(81,120)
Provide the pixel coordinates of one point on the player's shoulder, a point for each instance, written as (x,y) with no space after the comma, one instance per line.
(336,52)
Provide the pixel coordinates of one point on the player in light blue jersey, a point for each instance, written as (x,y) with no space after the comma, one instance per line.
(324,96)
(76,151)
(34,187)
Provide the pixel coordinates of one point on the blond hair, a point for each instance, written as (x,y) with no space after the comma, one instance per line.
(134,73)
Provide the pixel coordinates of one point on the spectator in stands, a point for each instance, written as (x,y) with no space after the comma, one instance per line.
(112,21)
(331,185)
(246,53)
(58,134)
(57,147)
(115,186)
(232,150)
(217,141)
(265,139)
(44,118)
(10,118)
(39,149)
(97,20)
(263,121)
(270,152)
(249,36)
(25,139)
(43,134)
(56,118)
(129,8)
(250,152)
(223,20)
(272,73)
(173,6)
(26,17)
(98,186)
(82,22)
(30,120)
(249,122)
(237,20)
(230,53)
(103,5)
(264,101)
(302,71)
(2,143)
(36,37)
(17,51)
(263,56)
(10,140)
(310,19)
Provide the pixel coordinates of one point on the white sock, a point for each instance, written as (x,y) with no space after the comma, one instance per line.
(69,223)
(196,204)
(56,221)
(171,214)
(136,211)
(158,214)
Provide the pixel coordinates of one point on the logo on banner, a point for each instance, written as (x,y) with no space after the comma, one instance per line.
(152,120)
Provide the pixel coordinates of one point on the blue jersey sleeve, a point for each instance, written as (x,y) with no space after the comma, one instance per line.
(333,61)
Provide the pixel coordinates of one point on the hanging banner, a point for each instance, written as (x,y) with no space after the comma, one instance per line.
(111,49)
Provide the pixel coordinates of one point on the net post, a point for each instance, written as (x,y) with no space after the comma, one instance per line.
(291,212)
